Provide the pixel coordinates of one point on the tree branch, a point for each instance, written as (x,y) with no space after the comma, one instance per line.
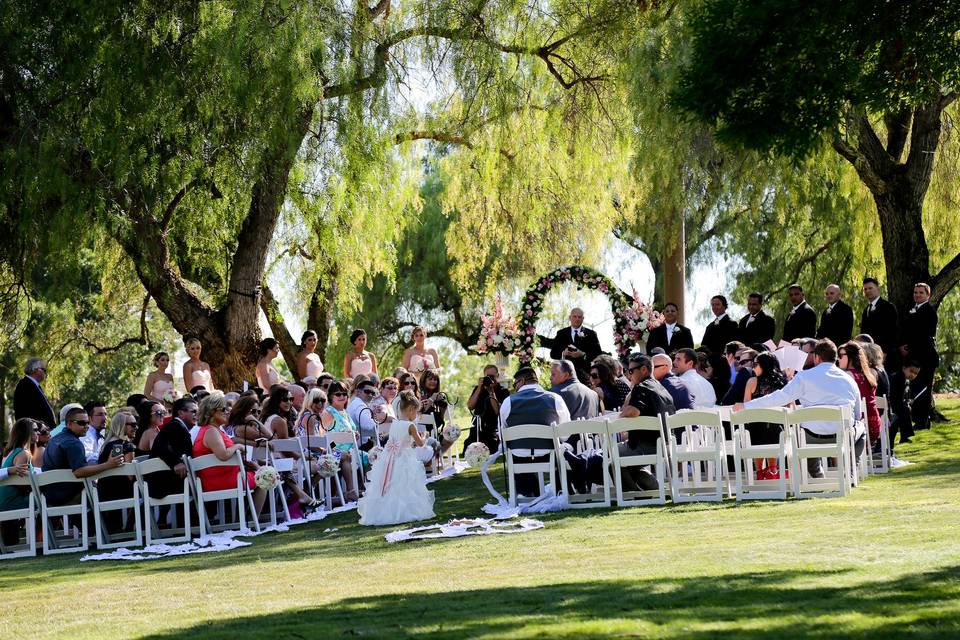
(800,264)
(442,136)
(142,339)
(945,280)
(288,347)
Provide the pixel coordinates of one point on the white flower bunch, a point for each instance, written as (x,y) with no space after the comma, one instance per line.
(451,432)
(327,466)
(476,453)
(266,478)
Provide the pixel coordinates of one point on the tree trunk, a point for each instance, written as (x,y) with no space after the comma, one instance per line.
(278,326)
(905,253)
(320,311)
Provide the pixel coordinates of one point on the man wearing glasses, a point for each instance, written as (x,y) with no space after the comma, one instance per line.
(647,398)
(360,411)
(171,444)
(29,400)
(65,451)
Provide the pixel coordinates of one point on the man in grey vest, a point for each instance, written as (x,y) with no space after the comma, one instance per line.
(531,404)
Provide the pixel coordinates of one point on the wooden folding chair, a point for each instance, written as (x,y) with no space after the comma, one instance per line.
(657,460)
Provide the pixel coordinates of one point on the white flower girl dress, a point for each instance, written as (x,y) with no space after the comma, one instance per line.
(396,488)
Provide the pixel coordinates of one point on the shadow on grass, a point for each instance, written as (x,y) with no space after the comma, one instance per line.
(750,605)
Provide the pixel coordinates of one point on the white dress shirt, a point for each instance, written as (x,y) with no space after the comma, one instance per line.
(823,385)
(362,416)
(702,390)
(91,445)
(670,329)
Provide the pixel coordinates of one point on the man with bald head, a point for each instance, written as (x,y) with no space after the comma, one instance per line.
(836,322)
(577,344)
(682,395)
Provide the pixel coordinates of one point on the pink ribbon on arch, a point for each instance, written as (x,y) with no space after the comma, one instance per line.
(392,449)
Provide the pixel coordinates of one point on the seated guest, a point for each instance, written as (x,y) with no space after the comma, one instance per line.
(606,387)
(853,360)
(277,414)
(16,460)
(118,438)
(212,439)
(297,394)
(582,402)
(243,424)
(335,418)
(825,384)
(875,358)
(407,382)
(685,366)
(530,404)
(730,351)
(719,374)
(671,335)
(92,439)
(619,379)
(308,422)
(43,439)
(150,417)
(64,410)
(383,403)
(170,445)
(65,451)
(744,360)
(682,394)
(360,411)
(647,398)
(767,378)
(484,403)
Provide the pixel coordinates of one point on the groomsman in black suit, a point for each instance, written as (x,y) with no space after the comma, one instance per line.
(29,400)
(576,343)
(880,321)
(722,330)
(671,335)
(918,332)
(801,322)
(836,322)
(757,326)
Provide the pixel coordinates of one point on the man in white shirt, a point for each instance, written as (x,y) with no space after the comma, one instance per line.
(823,385)
(93,439)
(360,412)
(685,367)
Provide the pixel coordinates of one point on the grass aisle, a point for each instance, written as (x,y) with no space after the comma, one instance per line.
(882,562)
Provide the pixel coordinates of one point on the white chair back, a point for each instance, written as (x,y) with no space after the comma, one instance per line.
(624,459)
(128,507)
(836,482)
(585,429)
(527,460)
(65,541)
(746,454)
(697,461)
(152,507)
(28,514)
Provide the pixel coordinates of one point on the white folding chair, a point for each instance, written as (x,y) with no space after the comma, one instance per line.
(836,482)
(881,463)
(152,506)
(348,437)
(746,453)
(592,498)
(521,461)
(52,542)
(657,460)
(28,514)
(237,496)
(702,450)
(424,422)
(314,444)
(128,507)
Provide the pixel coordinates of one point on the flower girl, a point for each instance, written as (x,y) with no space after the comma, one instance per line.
(397,491)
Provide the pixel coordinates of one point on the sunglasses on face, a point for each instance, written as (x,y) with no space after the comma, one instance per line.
(255,411)
(325,385)
(593,374)
(287,399)
(82,423)
(159,413)
(320,402)
(131,424)
(368,392)
(339,394)
(391,387)
(409,383)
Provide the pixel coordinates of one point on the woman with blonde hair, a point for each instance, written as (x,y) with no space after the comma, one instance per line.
(196,372)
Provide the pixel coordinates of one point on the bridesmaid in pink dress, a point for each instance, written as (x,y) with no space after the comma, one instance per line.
(419,358)
(159,382)
(267,374)
(196,372)
(358,360)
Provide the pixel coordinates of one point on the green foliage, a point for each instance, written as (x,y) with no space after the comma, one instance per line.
(770,74)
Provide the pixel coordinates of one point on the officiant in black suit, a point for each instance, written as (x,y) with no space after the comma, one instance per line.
(29,400)
(918,332)
(670,335)
(801,322)
(576,343)
(881,322)
(836,322)
(722,330)
(757,326)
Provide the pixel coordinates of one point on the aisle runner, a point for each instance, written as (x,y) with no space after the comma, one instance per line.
(228,540)
(464,527)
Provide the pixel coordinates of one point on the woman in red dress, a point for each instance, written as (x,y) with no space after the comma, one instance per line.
(853,360)
(212,439)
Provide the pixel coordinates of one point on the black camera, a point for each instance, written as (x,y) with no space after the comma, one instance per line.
(489,381)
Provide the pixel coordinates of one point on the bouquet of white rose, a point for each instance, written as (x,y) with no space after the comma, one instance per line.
(266,478)
(476,453)
(498,332)
(374,453)
(451,432)
(328,466)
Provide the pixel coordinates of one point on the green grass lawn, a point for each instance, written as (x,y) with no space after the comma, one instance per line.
(882,562)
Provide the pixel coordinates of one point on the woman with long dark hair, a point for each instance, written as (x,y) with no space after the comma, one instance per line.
(22,436)
(308,362)
(358,360)
(602,380)
(852,359)
(267,375)
(767,378)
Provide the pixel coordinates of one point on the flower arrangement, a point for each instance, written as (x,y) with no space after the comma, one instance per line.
(451,432)
(266,478)
(499,333)
(374,453)
(476,453)
(171,396)
(632,323)
(328,466)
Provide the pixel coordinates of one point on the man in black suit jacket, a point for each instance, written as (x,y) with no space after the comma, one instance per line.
(918,343)
(722,330)
(671,335)
(801,322)
(576,343)
(880,321)
(29,400)
(836,322)
(170,445)
(756,327)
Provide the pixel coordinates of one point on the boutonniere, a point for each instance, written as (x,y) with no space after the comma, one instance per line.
(914,310)
(829,311)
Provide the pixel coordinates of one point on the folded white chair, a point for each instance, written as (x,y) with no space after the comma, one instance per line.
(702,451)
(239,496)
(516,463)
(356,468)
(836,481)
(52,542)
(585,428)
(745,453)
(657,460)
(881,463)
(313,445)
(131,505)
(28,514)
(151,506)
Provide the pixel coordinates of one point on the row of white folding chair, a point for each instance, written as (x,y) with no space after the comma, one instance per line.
(313,445)
(697,462)
(276,502)
(881,463)
(238,497)
(335,438)
(538,460)
(28,514)
(837,481)
(593,436)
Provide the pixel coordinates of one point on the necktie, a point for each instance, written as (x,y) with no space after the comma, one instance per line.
(749,320)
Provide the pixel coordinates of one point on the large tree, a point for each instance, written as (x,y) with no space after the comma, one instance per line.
(872,78)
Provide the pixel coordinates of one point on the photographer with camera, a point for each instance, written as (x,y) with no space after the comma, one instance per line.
(484,404)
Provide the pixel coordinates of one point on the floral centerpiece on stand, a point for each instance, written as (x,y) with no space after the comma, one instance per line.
(632,323)
(499,333)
